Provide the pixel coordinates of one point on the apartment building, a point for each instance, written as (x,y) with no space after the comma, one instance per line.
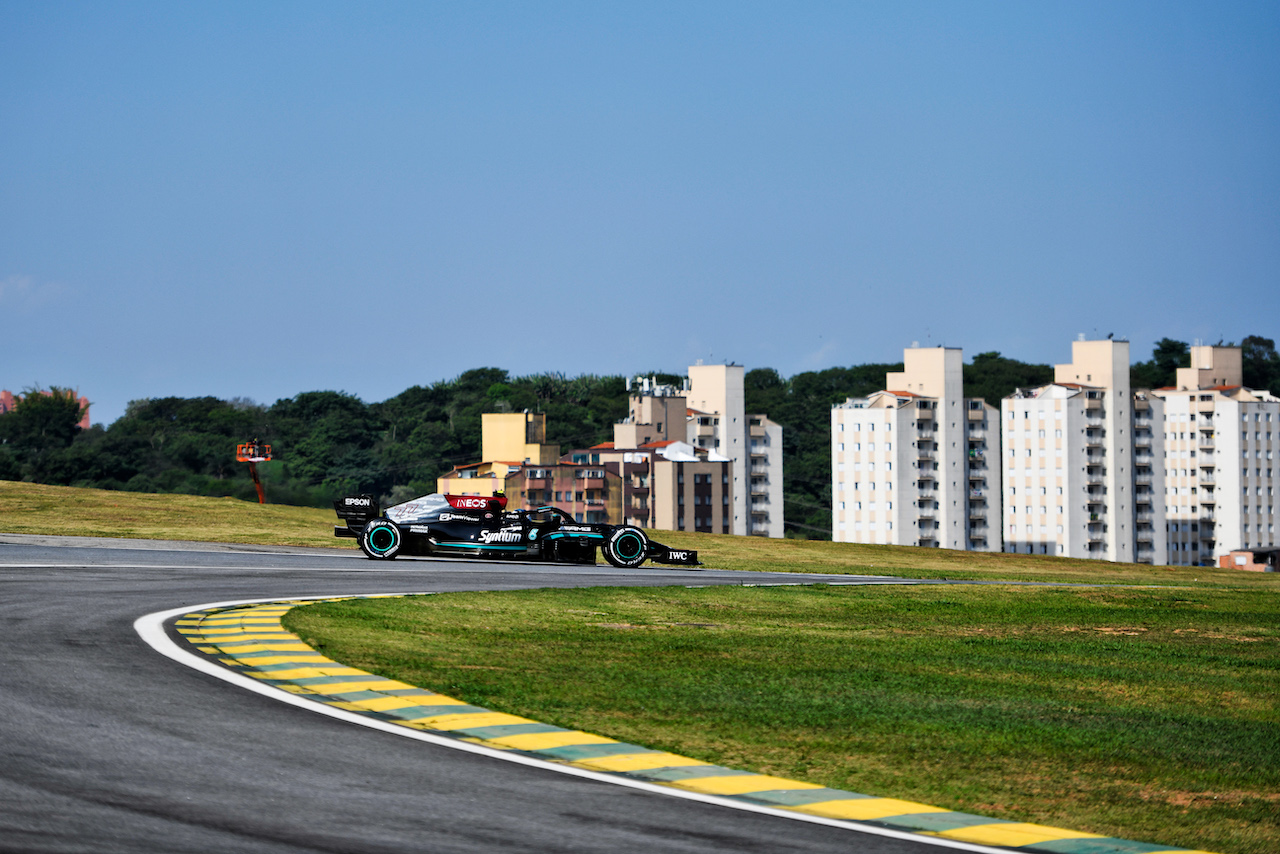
(718,421)
(1221,443)
(531,472)
(917,463)
(708,417)
(667,484)
(1079,477)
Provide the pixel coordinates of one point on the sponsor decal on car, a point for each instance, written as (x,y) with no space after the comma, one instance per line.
(419,529)
(586,529)
(675,555)
(506,535)
(458,517)
(358,502)
(468,503)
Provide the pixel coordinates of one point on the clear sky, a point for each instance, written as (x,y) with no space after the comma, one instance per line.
(260,199)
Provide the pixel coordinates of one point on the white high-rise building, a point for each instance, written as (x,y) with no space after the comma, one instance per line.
(1222,449)
(718,420)
(917,463)
(1079,479)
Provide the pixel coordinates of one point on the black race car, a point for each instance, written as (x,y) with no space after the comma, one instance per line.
(479,526)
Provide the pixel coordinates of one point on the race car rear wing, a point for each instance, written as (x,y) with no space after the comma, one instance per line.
(356,511)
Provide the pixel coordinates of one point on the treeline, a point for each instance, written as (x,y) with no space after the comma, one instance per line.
(325,443)
(329,443)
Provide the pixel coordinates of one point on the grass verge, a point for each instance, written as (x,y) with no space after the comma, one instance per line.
(32,508)
(29,508)
(1144,714)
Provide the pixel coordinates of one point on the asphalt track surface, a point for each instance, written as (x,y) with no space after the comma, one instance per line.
(107,746)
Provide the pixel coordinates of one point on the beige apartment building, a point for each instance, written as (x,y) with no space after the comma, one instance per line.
(708,421)
(1221,443)
(661,483)
(917,463)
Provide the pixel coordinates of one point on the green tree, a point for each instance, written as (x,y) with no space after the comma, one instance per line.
(1261,363)
(1162,369)
(42,425)
(993,377)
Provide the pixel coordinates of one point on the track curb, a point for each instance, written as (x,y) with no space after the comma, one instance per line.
(244,642)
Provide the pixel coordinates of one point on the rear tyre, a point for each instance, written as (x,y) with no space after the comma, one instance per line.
(381,540)
(627,548)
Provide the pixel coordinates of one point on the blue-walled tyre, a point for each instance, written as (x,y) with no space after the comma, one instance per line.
(381,539)
(626,548)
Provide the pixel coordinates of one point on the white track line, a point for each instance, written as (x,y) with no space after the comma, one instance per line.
(151,629)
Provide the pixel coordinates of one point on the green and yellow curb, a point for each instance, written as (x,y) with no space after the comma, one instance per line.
(250,640)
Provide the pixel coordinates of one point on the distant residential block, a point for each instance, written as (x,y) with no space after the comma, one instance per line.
(917,463)
(1221,443)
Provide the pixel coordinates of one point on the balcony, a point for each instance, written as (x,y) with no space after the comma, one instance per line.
(926,512)
(977,493)
(1095,474)
(1207,477)
(1206,440)
(1206,497)
(1142,477)
(757,431)
(536,483)
(1096,534)
(757,469)
(1093,440)
(1142,459)
(977,513)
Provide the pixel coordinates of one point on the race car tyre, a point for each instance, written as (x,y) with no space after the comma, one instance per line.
(381,540)
(628,547)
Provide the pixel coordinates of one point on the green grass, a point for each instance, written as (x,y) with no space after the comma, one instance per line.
(1145,714)
(32,508)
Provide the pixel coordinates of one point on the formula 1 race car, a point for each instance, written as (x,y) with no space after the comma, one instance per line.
(480,526)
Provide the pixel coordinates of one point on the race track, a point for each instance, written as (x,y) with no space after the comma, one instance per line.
(109,747)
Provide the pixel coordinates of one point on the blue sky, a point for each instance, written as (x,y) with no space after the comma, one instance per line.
(255,200)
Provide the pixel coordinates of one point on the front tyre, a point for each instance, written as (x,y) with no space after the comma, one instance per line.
(381,540)
(627,548)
